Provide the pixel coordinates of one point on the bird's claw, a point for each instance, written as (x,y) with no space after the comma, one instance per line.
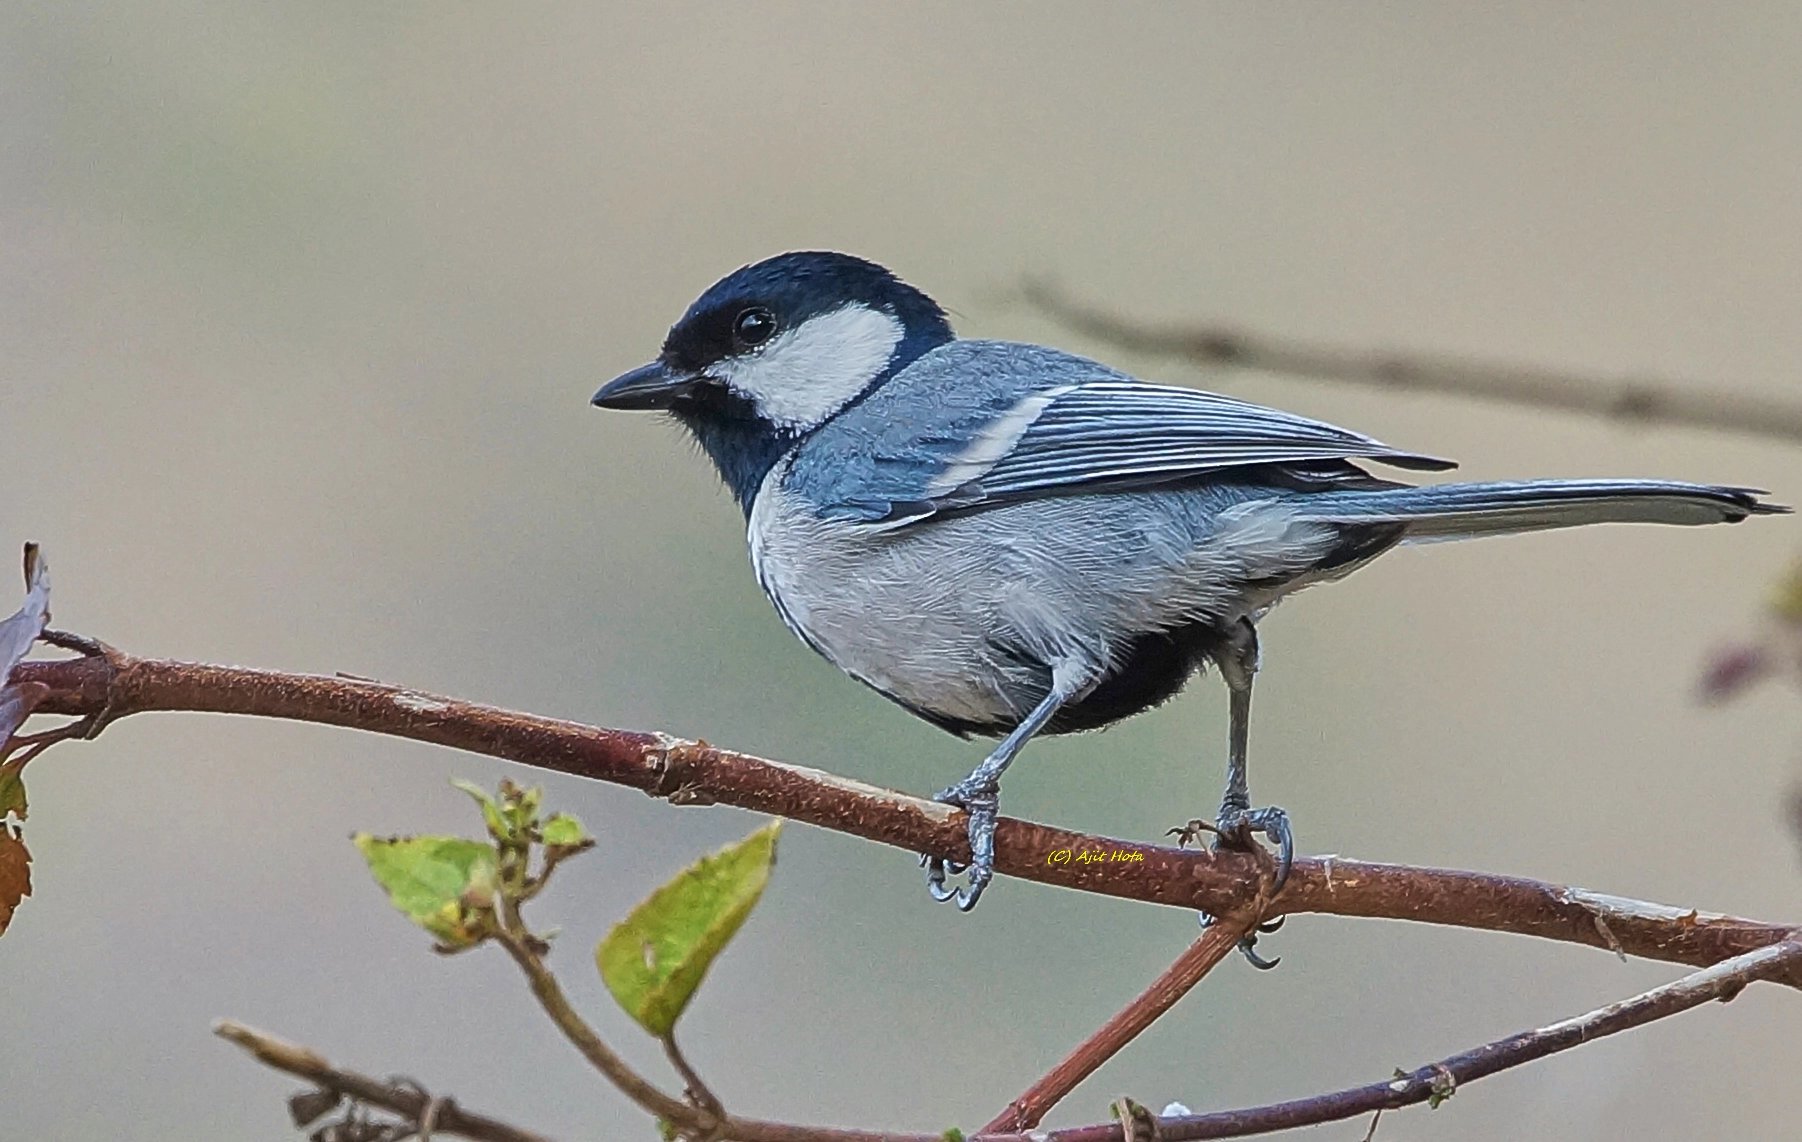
(1235,827)
(1247,948)
(1234,830)
(1188,834)
(1248,944)
(982,805)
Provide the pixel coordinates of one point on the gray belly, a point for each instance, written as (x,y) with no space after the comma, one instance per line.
(959,617)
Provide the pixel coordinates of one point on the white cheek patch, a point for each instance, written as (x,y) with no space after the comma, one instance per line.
(805,374)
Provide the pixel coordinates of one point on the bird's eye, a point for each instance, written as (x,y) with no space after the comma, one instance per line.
(754,326)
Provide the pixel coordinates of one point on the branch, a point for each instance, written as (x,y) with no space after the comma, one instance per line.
(1176,981)
(550,996)
(1432,1083)
(1435,1082)
(105,684)
(113,684)
(403,1099)
(1638,399)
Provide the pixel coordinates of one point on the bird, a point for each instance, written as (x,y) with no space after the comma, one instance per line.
(1011,541)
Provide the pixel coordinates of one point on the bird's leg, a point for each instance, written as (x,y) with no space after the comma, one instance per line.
(1238,662)
(979,795)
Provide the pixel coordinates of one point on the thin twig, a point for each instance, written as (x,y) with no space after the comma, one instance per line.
(1197,960)
(525,950)
(1437,1081)
(1375,1121)
(698,1091)
(405,1100)
(116,684)
(1636,399)
(1223,883)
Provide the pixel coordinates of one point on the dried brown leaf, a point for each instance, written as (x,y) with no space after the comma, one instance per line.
(15,874)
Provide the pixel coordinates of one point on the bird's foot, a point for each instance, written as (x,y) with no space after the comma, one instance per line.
(1234,830)
(982,803)
(1236,825)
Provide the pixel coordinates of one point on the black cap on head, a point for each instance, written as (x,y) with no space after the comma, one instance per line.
(788,289)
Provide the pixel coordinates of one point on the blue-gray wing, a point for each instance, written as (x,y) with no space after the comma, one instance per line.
(977,423)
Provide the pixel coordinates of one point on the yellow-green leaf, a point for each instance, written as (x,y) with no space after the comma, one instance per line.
(491,813)
(563,830)
(12,790)
(430,879)
(653,960)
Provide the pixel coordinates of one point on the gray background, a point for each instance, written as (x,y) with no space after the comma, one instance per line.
(300,309)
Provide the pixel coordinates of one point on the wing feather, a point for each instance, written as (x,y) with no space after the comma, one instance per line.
(975,424)
(1109,431)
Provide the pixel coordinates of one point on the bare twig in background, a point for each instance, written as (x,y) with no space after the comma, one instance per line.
(403,1099)
(1200,958)
(1792,811)
(114,685)
(1638,399)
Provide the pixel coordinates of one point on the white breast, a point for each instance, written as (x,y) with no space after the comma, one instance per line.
(957,615)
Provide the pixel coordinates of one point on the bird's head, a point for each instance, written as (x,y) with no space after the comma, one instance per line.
(790,340)
(772,351)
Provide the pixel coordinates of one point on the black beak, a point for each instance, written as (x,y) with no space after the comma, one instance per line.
(653,386)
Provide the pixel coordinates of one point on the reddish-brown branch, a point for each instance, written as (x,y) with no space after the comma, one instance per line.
(1214,945)
(1723,981)
(115,685)
(106,684)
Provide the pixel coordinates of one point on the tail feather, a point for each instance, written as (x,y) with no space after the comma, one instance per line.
(1457,511)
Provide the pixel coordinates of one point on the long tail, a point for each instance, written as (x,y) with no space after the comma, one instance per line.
(1455,511)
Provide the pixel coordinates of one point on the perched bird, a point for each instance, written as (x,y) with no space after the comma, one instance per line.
(1009,540)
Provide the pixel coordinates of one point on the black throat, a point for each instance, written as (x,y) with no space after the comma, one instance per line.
(744,446)
(741,444)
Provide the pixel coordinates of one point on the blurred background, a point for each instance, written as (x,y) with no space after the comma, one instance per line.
(301,306)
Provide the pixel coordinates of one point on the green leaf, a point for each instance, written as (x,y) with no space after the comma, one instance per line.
(491,813)
(563,830)
(653,960)
(12,790)
(437,882)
